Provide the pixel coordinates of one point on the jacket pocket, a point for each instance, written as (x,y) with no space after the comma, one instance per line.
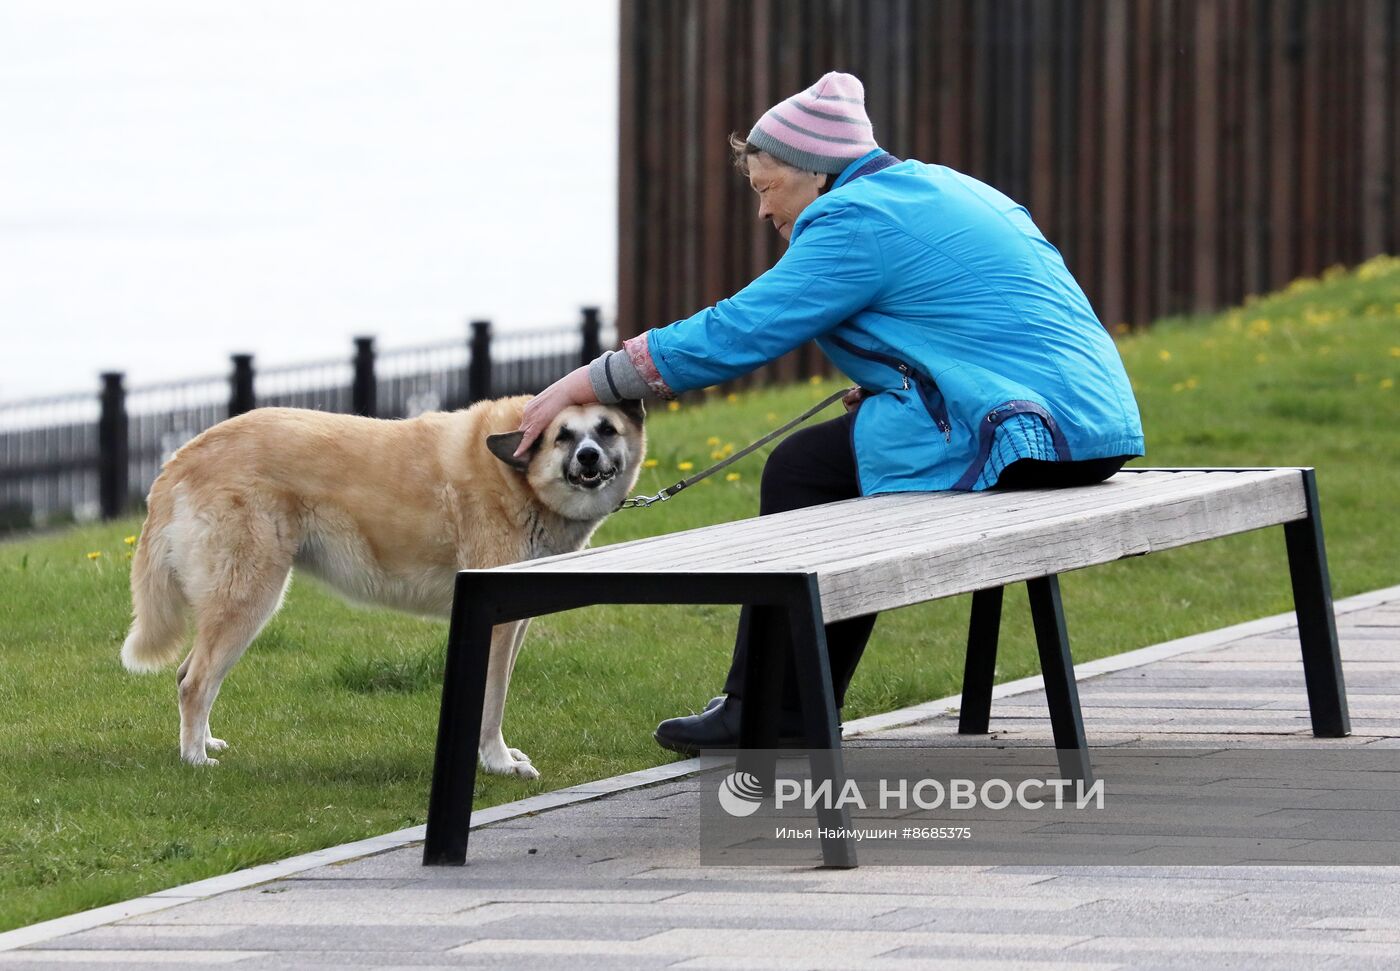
(927,388)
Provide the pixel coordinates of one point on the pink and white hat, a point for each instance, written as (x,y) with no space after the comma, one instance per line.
(822,129)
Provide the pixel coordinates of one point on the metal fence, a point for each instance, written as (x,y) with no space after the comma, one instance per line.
(80,457)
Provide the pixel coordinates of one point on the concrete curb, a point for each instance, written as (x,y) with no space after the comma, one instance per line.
(86,920)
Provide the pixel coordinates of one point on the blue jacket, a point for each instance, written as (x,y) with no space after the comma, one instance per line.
(939,293)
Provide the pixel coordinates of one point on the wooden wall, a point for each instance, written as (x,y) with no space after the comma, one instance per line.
(1180,153)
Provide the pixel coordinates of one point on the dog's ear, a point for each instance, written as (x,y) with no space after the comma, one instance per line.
(503,446)
(635,411)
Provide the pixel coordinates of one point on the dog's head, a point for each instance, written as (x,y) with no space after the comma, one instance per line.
(587,460)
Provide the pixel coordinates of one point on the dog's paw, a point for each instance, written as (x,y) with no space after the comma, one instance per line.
(508,761)
(198,759)
(217,744)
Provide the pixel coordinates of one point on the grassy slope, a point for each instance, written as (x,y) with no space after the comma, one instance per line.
(331,715)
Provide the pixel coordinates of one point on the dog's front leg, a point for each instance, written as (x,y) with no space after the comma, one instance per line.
(495,756)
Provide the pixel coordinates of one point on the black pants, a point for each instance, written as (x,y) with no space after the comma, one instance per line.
(816,465)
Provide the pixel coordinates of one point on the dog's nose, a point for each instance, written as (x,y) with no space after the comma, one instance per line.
(587,456)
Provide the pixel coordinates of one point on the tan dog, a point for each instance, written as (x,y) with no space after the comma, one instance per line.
(385,512)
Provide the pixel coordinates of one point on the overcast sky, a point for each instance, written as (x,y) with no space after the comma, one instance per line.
(184,179)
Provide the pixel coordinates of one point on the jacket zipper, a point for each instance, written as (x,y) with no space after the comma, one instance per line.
(906,372)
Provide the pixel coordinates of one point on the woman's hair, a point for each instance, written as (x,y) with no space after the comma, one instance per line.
(741,149)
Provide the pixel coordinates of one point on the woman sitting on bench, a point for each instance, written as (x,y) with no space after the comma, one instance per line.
(979,361)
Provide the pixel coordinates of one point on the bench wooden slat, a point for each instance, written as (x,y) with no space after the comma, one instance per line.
(810,538)
(796,547)
(1055,546)
(860,517)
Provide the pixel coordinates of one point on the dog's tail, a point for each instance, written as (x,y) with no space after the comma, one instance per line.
(159,608)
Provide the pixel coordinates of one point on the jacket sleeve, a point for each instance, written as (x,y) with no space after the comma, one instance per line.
(831,271)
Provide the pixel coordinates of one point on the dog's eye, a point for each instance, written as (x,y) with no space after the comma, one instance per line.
(606,429)
(565,435)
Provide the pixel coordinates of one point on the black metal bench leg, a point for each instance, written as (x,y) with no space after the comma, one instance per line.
(765,629)
(1317,624)
(979,669)
(819,715)
(459,729)
(1057,668)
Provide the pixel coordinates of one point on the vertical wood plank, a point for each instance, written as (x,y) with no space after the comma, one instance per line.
(1113,201)
(1088,237)
(1041,197)
(1283,108)
(1206,163)
(1310,142)
(1164,190)
(1374,200)
(629,110)
(1144,74)
(1252,174)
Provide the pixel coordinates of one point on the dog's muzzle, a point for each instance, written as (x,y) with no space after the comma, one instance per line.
(588,470)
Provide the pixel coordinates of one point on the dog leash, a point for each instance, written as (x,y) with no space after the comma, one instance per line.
(642,502)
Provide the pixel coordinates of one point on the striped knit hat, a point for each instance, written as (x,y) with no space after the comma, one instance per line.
(822,129)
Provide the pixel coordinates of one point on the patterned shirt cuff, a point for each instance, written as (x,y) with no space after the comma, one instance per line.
(640,356)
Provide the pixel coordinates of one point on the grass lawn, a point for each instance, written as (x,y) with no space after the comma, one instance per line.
(331,715)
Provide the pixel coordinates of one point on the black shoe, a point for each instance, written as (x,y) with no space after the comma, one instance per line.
(718,727)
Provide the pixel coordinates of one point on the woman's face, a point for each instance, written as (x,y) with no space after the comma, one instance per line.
(783,191)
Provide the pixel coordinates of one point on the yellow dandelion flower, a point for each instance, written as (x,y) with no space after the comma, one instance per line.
(130,541)
(650,464)
(686,466)
(728,450)
(1179,386)
(732,398)
(716,455)
(1258,327)
(815,379)
(1164,355)
(1395,351)
(712,441)
(1192,384)
(1261,359)
(95,554)
(673,406)
(1386,384)
(732,477)
(772,416)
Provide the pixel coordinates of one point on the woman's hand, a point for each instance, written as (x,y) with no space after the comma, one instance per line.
(573,388)
(854,397)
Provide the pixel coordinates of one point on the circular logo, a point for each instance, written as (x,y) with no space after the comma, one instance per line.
(740,794)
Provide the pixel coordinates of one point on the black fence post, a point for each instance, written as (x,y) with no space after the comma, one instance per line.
(479,371)
(364,392)
(592,335)
(112,447)
(241,397)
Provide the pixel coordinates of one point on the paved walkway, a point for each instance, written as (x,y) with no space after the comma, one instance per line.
(610,877)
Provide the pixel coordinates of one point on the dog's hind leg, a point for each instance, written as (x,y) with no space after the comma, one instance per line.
(495,756)
(236,591)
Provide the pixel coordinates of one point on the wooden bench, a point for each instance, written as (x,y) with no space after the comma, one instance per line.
(812,566)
